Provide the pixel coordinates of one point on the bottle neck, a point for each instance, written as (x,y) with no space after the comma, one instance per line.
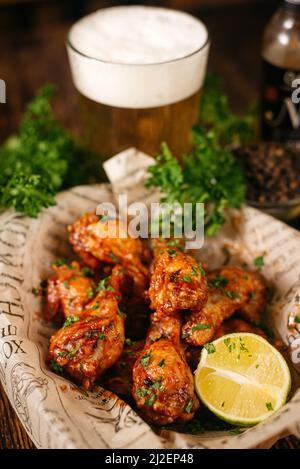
(292,5)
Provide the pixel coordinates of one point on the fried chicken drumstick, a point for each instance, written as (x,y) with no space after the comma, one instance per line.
(163,384)
(89,344)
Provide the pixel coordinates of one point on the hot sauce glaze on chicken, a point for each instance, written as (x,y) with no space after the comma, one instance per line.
(173,307)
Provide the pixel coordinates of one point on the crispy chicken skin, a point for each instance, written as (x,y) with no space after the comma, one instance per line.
(105,240)
(177,283)
(231,289)
(154,372)
(90,344)
(68,291)
(163,384)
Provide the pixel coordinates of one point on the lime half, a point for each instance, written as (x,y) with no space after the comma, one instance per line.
(242,379)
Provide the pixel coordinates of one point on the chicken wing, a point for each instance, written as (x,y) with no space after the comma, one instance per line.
(89,344)
(68,291)
(231,289)
(108,240)
(177,282)
(163,384)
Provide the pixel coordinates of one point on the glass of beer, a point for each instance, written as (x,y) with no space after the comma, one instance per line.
(139,73)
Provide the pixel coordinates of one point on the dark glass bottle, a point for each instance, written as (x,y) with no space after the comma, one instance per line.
(280,116)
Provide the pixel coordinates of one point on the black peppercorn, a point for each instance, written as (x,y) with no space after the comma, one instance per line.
(272,172)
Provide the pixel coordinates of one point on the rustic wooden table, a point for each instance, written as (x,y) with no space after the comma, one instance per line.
(33,53)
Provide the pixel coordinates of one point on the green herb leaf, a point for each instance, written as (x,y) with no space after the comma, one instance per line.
(70,320)
(145,360)
(243,347)
(142,392)
(60,262)
(232,294)
(259,261)
(187,278)
(189,406)
(102,284)
(210,348)
(269,406)
(202,271)
(149,402)
(114,258)
(218,281)
(175,243)
(157,384)
(90,293)
(56,367)
(129,342)
(161,363)
(201,327)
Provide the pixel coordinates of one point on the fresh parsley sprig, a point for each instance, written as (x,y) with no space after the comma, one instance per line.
(40,160)
(209,174)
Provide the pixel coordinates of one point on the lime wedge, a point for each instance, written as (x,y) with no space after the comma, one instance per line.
(242,379)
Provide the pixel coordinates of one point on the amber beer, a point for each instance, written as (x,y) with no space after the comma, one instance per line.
(139,73)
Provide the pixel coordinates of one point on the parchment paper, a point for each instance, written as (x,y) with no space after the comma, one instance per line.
(55,412)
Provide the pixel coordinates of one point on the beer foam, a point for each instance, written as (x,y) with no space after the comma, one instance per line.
(138,57)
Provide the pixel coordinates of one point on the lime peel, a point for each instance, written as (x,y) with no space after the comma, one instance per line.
(231,385)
